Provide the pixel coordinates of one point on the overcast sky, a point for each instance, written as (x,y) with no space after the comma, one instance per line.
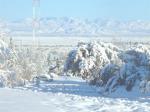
(86,9)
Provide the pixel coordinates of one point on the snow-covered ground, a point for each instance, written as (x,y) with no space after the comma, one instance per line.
(68,95)
(73,40)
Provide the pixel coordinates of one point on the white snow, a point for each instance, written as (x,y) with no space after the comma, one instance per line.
(68,95)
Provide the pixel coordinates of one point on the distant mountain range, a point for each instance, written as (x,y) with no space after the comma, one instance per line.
(76,27)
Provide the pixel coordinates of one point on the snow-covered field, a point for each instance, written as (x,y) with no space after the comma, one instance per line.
(73,40)
(66,94)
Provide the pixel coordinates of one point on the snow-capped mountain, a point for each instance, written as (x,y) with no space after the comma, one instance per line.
(77,27)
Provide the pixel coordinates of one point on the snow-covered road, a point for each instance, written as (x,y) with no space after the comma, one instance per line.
(65,95)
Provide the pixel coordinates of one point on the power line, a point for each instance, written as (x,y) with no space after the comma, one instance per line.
(36,20)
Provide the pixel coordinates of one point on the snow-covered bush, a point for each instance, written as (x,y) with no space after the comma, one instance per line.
(7,61)
(30,63)
(89,58)
(107,66)
(56,57)
(6,55)
(138,62)
(10,79)
(134,69)
(22,64)
(145,86)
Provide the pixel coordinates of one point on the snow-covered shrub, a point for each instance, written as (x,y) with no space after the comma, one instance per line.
(89,58)
(109,67)
(55,60)
(138,62)
(43,78)
(8,60)
(145,86)
(30,63)
(10,79)
(133,70)
(20,66)
(108,72)
(7,56)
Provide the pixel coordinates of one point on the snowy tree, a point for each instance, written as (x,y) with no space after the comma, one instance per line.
(87,58)
(20,66)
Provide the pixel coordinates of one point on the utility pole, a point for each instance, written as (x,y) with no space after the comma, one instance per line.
(35,21)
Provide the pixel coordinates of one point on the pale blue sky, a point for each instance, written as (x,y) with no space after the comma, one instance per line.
(90,9)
